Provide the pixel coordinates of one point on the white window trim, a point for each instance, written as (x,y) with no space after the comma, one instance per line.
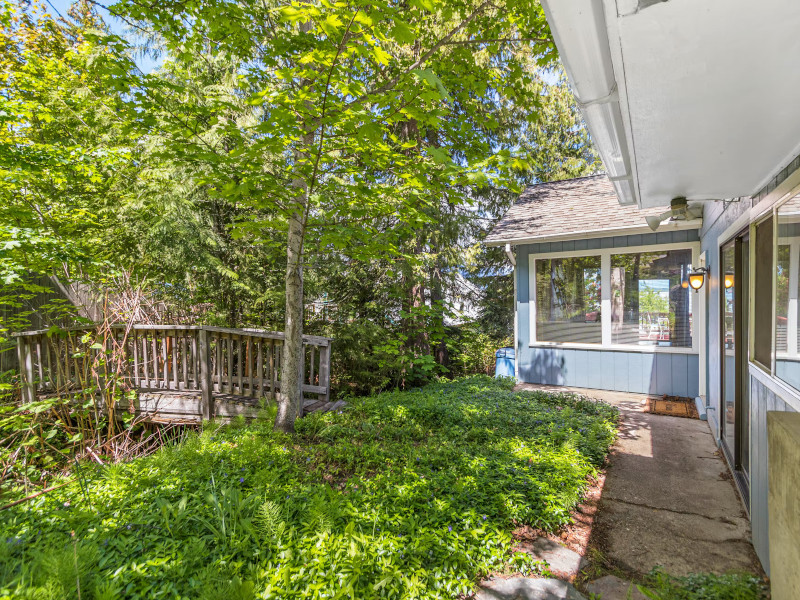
(794,254)
(605,300)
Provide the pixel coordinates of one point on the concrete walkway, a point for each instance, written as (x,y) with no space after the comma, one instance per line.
(668,498)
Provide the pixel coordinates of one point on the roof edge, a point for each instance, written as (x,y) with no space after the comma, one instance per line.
(599,233)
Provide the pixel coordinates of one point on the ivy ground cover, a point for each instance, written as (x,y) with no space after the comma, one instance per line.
(401,495)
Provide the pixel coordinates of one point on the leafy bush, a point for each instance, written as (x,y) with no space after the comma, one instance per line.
(402,495)
(472,351)
(358,366)
(704,586)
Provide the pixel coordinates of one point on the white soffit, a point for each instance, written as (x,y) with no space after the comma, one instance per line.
(709,90)
(712,89)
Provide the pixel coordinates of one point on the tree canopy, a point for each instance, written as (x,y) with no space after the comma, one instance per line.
(349,155)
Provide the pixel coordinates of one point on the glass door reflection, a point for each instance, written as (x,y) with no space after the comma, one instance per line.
(735,417)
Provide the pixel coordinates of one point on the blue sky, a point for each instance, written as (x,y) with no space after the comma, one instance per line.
(145,63)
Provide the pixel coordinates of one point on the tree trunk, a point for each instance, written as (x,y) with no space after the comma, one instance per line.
(441,354)
(290,402)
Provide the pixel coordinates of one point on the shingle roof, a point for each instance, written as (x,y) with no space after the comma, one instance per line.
(584,205)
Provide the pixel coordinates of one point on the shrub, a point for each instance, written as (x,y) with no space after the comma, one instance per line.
(472,351)
(402,495)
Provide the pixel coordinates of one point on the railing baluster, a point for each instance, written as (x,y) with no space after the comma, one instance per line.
(37,361)
(145,360)
(311,365)
(193,334)
(163,353)
(184,360)
(78,371)
(206,392)
(154,348)
(173,347)
(136,379)
(325,371)
(49,363)
(26,368)
(230,364)
(251,391)
(240,363)
(273,365)
(260,367)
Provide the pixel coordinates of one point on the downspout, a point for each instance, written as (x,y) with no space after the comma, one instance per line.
(513,260)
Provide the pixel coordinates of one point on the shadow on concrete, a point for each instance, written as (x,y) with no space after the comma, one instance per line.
(668,498)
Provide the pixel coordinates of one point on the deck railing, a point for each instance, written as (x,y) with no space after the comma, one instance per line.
(212,361)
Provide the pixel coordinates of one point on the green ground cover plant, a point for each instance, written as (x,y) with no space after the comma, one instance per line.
(401,495)
(704,586)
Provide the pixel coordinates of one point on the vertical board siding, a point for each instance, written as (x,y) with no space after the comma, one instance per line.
(637,372)
(645,239)
(635,369)
(762,400)
(606,362)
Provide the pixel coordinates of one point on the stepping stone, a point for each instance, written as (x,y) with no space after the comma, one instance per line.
(528,588)
(614,588)
(562,560)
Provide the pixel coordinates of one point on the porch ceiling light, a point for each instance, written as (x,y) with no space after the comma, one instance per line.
(697,278)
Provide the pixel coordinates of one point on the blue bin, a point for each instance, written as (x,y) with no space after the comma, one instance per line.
(504,362)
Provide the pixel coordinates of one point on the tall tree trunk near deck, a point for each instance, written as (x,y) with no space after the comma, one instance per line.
(290,403)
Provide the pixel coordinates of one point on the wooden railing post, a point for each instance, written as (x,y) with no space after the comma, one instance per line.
(26,369)
(325,371)
(206,391)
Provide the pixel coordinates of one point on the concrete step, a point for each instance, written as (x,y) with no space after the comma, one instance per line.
(528,588)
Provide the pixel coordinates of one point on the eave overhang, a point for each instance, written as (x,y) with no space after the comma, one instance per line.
(693,98)
(600,233)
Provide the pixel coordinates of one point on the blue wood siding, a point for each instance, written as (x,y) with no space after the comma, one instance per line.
(638,372)
(718,218)
(641,372)
(624,241)
(762,400)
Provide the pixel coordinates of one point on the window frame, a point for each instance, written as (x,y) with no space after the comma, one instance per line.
(773,212)
(769,367)
(605,253)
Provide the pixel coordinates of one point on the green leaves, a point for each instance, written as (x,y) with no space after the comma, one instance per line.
(404,494)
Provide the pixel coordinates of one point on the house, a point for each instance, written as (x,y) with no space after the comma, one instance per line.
(692,105)
(603,301)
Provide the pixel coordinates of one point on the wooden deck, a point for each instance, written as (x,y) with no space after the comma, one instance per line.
(176,372)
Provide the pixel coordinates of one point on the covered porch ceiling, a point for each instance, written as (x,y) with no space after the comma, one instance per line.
(694,98)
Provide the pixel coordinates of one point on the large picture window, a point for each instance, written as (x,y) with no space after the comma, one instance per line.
(787,287)
(651,302)
(568,300)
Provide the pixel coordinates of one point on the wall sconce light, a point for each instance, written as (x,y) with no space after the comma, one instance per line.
(728,281)
(697,278)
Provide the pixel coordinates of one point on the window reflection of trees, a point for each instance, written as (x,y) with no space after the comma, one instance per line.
(787,284)
(651,301)
(568,299)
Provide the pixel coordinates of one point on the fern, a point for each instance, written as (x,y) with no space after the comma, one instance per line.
(323,514)
(271,520)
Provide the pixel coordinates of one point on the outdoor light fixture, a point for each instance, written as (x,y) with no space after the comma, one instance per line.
(697,278)
(728,281)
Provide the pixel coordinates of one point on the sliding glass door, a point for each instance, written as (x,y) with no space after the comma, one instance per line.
(734,420)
